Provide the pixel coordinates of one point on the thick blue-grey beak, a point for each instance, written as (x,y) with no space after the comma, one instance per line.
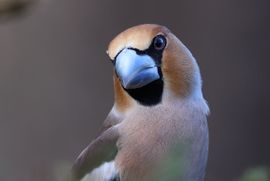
(135,70)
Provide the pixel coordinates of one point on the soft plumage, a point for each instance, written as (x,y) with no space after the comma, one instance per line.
(157,128)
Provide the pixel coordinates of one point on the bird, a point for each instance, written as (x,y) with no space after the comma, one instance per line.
(157,128)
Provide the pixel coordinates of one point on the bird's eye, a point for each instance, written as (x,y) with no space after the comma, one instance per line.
(159,42)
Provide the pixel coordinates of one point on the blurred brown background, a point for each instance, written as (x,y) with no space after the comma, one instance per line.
(56,83)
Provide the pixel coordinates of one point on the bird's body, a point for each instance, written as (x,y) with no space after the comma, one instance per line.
(142,149)
(157,128)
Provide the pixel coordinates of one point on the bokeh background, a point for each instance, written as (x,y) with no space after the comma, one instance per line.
(56,79)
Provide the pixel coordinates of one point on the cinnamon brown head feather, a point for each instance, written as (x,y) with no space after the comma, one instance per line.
(177,65)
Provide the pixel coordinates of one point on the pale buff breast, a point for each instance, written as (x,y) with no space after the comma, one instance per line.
(152,136)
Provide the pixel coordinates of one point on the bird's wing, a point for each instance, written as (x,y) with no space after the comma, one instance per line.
(102,149)
(111,120)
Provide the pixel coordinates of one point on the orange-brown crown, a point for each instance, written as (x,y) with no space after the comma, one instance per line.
(139,37)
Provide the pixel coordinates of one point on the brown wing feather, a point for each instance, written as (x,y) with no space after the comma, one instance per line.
(102,149)
(110,121)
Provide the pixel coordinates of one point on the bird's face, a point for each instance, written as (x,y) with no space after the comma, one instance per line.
(148,60)
(137,68)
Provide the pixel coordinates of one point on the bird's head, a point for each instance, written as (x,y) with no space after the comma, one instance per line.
(151,64)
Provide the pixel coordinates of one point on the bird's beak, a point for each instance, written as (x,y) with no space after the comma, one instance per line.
(135,70)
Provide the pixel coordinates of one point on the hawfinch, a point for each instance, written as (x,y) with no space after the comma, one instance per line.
(157,128)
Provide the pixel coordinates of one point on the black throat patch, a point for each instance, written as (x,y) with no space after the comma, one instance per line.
(148,95)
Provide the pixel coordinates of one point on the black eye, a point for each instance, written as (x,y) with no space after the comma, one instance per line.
(159,42)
